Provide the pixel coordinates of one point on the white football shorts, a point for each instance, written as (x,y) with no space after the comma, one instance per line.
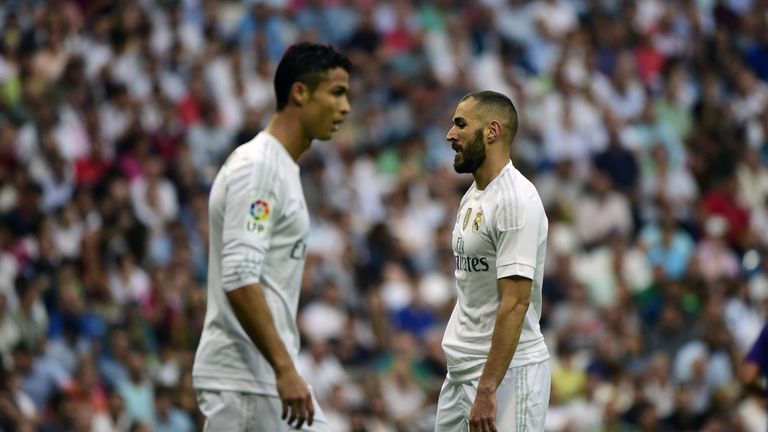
(521,401)
(250,412)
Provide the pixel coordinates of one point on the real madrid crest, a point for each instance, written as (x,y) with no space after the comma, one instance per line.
(466,219)
(476,222)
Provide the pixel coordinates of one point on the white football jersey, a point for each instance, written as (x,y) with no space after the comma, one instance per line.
(500,231)
(259,225)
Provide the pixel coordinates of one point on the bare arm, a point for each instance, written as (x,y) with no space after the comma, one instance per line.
(253,313)
(515,294)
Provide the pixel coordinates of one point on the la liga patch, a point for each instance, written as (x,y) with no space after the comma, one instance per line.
(259,210)
(258,214)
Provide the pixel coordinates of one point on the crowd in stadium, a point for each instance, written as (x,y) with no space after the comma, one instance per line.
(643,124)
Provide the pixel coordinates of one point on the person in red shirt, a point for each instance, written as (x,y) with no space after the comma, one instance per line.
(90,170)
(722,201)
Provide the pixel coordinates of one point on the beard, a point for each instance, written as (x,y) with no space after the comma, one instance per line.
(472,156)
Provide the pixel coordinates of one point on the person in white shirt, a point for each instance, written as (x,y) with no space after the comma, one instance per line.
(498,364)
(244,371)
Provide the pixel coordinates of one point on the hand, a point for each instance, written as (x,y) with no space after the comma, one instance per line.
(296,398)
(482,418)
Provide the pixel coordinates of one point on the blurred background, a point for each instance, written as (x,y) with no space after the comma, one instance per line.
(644,125)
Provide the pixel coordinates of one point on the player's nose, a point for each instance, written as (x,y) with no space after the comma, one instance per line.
(452,135)
(345,107)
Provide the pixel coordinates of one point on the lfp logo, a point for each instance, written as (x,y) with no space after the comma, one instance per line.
(259,211)
(257,216)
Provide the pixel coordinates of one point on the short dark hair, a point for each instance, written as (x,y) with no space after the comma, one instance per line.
(308,63)
(498,102)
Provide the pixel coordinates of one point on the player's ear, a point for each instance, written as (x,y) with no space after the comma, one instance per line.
(299,93)
(493,131)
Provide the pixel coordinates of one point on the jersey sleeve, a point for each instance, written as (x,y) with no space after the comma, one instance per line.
(517,229)
(251,203)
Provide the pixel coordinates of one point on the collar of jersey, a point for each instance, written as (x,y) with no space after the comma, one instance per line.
(281,149)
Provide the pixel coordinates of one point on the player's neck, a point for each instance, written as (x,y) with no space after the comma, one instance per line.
(289,132)
(488,171)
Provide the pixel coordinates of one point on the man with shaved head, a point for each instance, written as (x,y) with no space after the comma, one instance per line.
(498,364)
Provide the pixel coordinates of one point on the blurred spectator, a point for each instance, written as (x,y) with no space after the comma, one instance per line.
(722,203)
(336,410)
(87,391)
(402,396)
(669,331)
(560,189)
(208,142)
(612,272)
(751,410)
(31,316)
(117,418)
(752,176)
(714,258)
(10,333)
(578,316)
(663,183)
(741,315)
(137,390)
(68,232)
(602,213)
(668,246)
(684,416)
(16,406)
(324,319)
(41,377)
(69,346)
(169,418)
(622,92)
(705,363)
(417,317)
(573,129)
(113,362)
(322,369)
(751,97)
(568,377)
(659,388)
(127,281)
(581,413)
(618,161)
(153,196)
